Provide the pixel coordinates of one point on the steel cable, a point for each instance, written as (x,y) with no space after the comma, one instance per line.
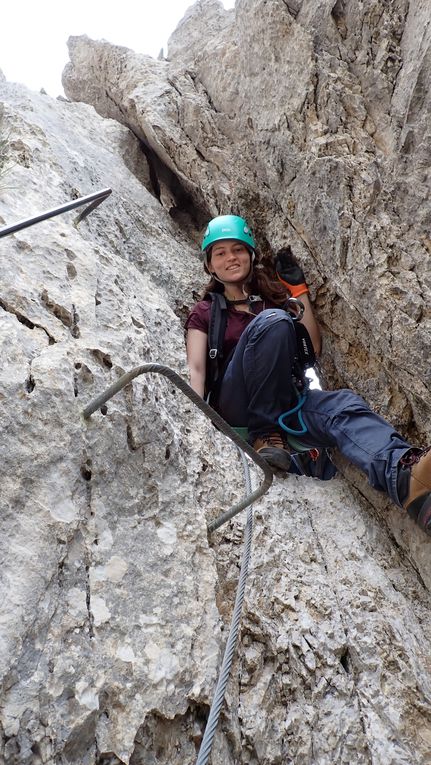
(243,449)
(94,200)
(214,714)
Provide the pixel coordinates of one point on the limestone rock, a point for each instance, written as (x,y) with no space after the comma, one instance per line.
(310,119)
(167,113)
(202,26)
(325,115)
(103,543)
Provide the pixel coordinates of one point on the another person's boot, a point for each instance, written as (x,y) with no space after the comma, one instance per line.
(273,448)
(418,500)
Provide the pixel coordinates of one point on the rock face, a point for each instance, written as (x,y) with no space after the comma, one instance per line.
(312,120)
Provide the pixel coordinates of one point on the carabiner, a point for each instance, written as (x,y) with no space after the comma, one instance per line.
(298,311)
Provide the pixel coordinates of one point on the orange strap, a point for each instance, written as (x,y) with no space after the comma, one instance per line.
(295,289)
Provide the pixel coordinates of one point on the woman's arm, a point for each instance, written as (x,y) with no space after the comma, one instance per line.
(290,273)
(197,343)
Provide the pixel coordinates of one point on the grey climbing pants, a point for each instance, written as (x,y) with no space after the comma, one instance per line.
(257,388)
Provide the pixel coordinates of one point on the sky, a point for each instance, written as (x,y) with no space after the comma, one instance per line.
(33,33)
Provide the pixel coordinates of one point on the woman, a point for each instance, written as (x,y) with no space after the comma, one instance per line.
(259,381)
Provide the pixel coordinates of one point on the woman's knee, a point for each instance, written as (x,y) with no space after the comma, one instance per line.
(274,336)
(273,320)
(274,314)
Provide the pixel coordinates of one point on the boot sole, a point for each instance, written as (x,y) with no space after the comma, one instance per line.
(277,458)
(420,511)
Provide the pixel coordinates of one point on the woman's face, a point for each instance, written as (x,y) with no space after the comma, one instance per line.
(230,261)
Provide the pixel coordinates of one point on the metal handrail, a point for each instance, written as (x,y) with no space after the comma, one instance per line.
(220,423)
(93,200)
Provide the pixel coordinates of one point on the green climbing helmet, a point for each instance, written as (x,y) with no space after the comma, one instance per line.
(227,227)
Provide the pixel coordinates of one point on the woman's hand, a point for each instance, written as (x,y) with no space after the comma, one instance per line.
(290,273)
(197,343)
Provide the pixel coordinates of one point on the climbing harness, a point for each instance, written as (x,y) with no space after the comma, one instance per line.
(92,200)
(223,426)
(216,332)
(217,364)
(306,459)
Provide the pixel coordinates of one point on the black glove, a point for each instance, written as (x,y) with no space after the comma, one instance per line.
(289,272)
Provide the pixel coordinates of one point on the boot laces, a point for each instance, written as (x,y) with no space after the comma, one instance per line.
(413,456)
(272,439)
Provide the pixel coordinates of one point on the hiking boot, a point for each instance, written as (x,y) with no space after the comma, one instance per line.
(274,450)
(418,502)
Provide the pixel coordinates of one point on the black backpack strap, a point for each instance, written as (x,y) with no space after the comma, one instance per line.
(306,353)
(216,332)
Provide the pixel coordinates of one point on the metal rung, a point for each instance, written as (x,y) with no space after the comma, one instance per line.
(93,201)
(223,426)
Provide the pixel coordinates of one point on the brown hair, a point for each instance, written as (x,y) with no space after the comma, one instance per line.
(259,283)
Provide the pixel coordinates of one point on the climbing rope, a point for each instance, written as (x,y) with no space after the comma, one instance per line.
(214,714)
(93,200)
(295,410)
(223,426)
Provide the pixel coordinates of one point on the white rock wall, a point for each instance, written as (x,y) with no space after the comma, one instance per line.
(108,584)
(311,119)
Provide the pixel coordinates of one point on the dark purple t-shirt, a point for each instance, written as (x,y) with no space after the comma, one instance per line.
(237,321)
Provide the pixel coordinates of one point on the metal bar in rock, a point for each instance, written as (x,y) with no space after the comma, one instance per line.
(220,423)
(93,200)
